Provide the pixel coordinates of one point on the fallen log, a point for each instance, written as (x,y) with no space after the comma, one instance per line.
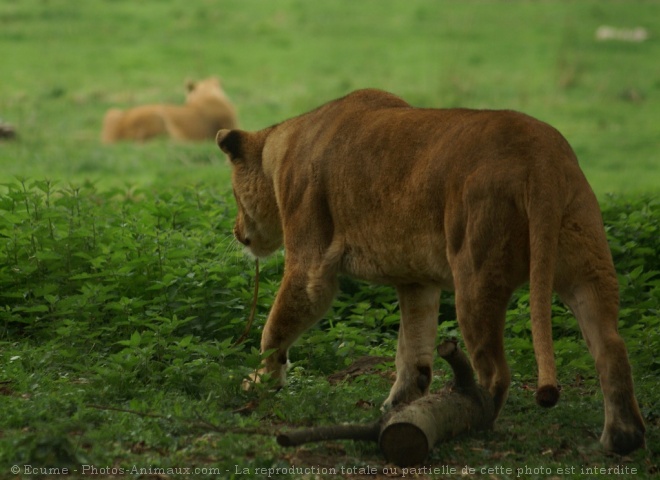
(408,433)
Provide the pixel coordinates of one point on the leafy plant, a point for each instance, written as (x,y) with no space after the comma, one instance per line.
(118,297)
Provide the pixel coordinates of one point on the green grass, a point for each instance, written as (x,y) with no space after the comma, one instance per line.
(121,290)
(119,311)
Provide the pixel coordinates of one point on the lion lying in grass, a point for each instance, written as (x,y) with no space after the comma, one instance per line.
(207,110)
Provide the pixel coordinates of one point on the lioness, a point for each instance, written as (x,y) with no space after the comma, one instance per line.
(207,109)
(424,199)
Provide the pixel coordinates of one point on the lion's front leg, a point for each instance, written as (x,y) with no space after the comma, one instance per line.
(296,309)
(419,306)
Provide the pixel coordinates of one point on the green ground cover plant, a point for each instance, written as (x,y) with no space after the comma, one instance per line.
(122,290)
(120,309)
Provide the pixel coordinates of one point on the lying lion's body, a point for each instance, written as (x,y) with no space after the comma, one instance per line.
(207,110)
(424,199)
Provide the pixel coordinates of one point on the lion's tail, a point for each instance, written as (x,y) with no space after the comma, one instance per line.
(545,217)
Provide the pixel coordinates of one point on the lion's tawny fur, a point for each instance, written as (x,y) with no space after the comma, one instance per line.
(207,110)
(475,201)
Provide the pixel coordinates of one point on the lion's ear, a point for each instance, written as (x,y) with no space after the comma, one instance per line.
(230,142)
(190,85)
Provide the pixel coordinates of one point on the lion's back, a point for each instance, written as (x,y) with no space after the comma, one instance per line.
(388,177)
(138,124)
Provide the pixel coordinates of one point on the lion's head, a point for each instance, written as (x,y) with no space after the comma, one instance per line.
(204,90)
(258,225)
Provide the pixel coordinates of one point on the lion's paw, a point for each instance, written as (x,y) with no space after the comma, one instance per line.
(623,440)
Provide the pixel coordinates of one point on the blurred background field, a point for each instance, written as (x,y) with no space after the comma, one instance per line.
(64,63)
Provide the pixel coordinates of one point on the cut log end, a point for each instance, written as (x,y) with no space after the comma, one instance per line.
(547,396)
(284,440)
(404,444)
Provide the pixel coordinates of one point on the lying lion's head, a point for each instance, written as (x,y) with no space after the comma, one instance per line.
(204,90)
(258,225)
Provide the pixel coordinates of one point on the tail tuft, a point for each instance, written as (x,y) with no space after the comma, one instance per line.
(547,396)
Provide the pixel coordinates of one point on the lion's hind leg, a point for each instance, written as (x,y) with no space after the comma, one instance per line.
(597,316)
(481,311)
(487,265)
(587,283)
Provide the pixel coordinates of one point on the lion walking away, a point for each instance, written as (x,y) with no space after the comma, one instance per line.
(207,110)
(475,201)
